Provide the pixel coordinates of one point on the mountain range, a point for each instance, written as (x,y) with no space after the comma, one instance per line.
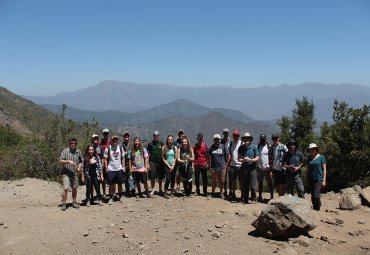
(264,103)
(178,108)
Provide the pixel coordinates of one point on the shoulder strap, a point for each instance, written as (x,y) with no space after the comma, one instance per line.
(109,153)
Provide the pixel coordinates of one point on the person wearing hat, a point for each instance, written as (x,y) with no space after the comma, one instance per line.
(276,153)
(248,155)
(156,170)
(114,161)
(233,165)
(200,164)
(105,142)
(127,149)
(293,161)
(263,168)
(316,174)
(226,140)
(217,163)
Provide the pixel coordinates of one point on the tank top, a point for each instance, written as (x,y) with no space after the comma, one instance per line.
(170,157)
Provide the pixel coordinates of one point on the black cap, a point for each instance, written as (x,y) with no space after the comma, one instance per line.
(292,141)
(263,137)
(200,136)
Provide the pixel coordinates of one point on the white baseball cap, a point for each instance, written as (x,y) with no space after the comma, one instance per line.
(105,130)
(217,136)
(312,145)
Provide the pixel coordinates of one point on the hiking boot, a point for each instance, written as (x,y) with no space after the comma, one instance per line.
(110,202)
(100,202)
(259,199)
(64,207)
(75,205)
(166,196)
(88,203)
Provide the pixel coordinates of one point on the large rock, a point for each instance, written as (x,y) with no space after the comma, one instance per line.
(365,194)
(349,201)
(286,216)
(347,191)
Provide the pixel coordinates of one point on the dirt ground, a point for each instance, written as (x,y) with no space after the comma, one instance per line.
(31,222)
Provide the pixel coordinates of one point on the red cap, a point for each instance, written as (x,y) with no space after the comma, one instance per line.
(236,132)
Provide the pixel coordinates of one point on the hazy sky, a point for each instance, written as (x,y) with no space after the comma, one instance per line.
(52,46)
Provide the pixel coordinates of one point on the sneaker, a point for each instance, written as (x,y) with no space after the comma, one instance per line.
(222,196)
(210,196)
(152,192)
(64,207)
(166,196)
(148,194)
(110,202)
(88,203)
(100,202)
(75,205)
(253,201)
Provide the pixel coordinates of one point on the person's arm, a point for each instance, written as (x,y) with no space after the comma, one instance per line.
(191,158)
(164,159)
(307,171)
(324,175)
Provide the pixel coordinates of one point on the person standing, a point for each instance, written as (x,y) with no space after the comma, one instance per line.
(293,161)
(139,164)
(185,158)
(98,152)
(105,142)
(264,168)
(316,174)
(276,153)
(200,150)
(154,149)
(233,165)
(127,149)
(217,163)
(92,173)
(70,159)
(180,134)
(226,141)
(169,153)
(248,156)
(114,161)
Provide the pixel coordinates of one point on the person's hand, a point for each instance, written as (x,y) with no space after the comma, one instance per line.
(323,183)
(102,178)
(247,159)
(92,161)
(72,162)
(83,179)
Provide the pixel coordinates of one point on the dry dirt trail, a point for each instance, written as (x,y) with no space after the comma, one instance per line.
(31,222)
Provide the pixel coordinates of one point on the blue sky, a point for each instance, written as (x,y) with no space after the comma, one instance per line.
(52,46)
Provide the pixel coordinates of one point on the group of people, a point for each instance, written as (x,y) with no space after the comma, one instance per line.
(228,160)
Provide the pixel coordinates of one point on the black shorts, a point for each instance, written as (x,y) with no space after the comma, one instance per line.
(115,177)
(139,177)
(279,177)
(156,170)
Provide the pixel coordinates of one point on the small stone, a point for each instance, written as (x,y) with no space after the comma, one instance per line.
(209,230)
(219,225)
(361,222)
(234,227)
(126,221)
(187,237)
(302,240)
(200,245)
(1,223)
(185,251)
(95,241)
(216,235)
(141,247)
(339,221)
(352,233)
(86,233)
(364,247)
(124,235)
(131,210)
(112,225)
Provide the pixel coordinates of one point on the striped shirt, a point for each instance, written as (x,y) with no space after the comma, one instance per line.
(75,156)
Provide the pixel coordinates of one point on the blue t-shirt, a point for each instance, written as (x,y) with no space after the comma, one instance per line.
(294,159)
(251,152)
(316,170)
(218,156)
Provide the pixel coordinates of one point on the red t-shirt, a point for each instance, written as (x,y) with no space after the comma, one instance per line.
(201,154)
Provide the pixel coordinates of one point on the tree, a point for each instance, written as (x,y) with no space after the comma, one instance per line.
(346,145)
(301,125)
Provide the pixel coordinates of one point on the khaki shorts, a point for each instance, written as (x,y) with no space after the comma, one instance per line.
(218,176)
(70,180)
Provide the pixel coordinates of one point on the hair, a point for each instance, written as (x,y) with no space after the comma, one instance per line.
(72,140)
(134,148)
(87,158)
(166,147)
(188,148)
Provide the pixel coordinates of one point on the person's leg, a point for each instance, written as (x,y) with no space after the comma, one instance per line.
(224,184)
(214,181)
(222,177)
(230,179)
(178,180)
(173,179)
(247,181)
(299,186)
(127,184)
(95,182)
(204,173)
(161,176)
(289,184)
(152,175)
(197,179)
(119,178)
(66,185)
(89,184)
(268,178)
(168,178)
(315,195)
(260,177)
(74,184)
(253,184)
(241,177)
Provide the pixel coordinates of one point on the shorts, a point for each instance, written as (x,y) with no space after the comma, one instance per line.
(70,180)
(234,172)
(218,176)
(139,177)
(279,177)
(115,177)
(156,170)
(263,174)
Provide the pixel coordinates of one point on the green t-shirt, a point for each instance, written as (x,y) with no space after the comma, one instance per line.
(155,151)
(316,170)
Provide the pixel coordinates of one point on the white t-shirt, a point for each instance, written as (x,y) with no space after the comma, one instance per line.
(234,153)
(263,162)
(115,158)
